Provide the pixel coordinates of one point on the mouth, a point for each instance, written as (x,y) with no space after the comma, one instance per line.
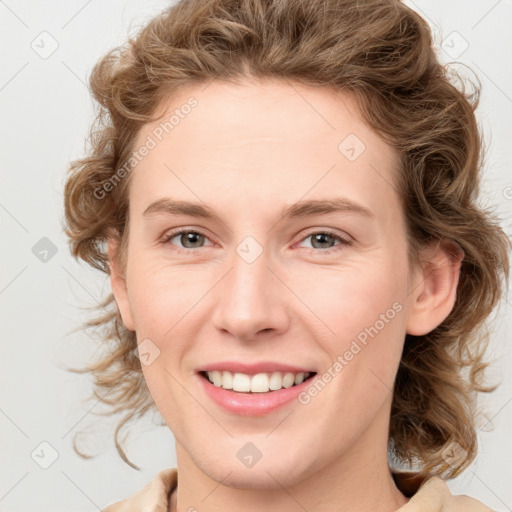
(264,382)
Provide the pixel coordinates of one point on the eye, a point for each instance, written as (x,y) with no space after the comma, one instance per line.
(322,240)
(189,238)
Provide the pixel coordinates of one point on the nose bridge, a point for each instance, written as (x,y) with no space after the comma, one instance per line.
(249,299)
(249,275)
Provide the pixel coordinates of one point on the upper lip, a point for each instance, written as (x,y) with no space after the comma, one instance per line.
(253,368)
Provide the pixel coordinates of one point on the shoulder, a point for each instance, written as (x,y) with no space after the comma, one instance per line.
(433,495)
(153,496)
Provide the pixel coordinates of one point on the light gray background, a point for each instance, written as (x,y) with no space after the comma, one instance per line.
(46,111)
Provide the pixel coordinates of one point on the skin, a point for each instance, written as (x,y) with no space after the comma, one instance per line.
(247,151)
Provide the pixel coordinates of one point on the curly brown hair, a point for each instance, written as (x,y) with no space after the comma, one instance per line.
(382,53)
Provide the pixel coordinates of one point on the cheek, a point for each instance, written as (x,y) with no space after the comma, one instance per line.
(349,299)
(364,311)
(162,296)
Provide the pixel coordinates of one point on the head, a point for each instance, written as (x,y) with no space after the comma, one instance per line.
(334,173)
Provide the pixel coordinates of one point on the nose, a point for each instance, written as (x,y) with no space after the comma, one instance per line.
(252,302)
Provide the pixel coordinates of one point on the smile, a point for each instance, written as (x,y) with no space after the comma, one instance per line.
(253,394)
(259,383)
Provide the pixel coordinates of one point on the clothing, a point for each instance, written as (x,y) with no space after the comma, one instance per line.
(431,495)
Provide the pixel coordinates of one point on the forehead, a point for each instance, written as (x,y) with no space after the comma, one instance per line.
(261,135)
(264,109)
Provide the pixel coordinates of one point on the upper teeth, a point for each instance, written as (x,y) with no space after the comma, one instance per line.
(259,383)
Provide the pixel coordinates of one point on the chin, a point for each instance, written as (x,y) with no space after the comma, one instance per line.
(264,475)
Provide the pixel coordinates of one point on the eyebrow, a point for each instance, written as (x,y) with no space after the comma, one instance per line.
(300,209)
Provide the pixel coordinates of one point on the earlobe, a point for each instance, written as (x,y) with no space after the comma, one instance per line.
(118,283)
(434,290)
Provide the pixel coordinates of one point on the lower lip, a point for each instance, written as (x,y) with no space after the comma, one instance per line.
(252,404)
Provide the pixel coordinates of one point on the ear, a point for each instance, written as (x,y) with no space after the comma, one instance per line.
(118,283)
(434,287)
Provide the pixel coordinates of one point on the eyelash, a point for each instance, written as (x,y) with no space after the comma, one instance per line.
(317,252)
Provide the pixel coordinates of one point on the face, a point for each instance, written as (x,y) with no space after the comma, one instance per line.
(293,260)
